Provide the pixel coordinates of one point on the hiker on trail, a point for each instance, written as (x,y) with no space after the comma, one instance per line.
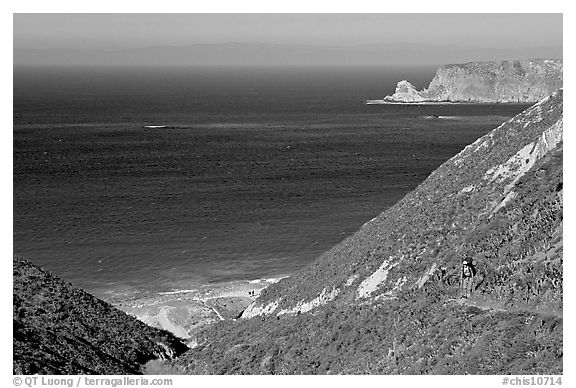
(467,278)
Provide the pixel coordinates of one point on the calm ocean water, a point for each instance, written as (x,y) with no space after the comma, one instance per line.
(255,173)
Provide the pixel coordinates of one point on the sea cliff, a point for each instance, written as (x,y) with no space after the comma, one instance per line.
(486,82)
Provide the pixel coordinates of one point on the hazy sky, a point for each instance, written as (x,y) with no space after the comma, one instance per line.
(116,31)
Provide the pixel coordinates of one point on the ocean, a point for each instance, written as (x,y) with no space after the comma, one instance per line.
(130,181)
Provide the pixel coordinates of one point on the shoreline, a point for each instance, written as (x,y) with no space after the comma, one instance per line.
(186,312)
(386,102)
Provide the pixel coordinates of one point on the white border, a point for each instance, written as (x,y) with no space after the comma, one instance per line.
(245,6)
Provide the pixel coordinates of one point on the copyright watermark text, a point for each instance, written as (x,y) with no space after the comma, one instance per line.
(89,381)
(532,380)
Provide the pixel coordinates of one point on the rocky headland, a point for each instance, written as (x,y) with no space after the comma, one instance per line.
(485,82)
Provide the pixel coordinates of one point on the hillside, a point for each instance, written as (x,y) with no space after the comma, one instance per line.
(59,329)
(387,301)
(487,82)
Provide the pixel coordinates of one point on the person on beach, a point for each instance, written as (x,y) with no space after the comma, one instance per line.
(467,278)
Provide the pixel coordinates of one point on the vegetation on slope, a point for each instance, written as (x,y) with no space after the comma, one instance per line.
(59,329)
(498,201)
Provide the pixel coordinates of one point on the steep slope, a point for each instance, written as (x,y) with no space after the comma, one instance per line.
(59,329)
(386,300)
(505,81)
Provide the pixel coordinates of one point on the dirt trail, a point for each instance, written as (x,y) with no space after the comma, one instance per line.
(210,307)
(496,306)
(486,306)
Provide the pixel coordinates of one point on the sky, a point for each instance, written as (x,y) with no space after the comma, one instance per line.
(118,31)
(297,39)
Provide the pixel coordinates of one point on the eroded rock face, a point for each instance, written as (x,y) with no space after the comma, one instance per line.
(504,81)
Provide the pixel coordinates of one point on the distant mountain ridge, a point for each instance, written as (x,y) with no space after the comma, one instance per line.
(386,300)
(263,54)
(518,81)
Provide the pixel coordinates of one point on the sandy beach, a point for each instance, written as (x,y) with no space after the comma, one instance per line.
(186,312)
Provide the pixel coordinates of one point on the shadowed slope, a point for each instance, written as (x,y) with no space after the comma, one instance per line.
(59,329)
